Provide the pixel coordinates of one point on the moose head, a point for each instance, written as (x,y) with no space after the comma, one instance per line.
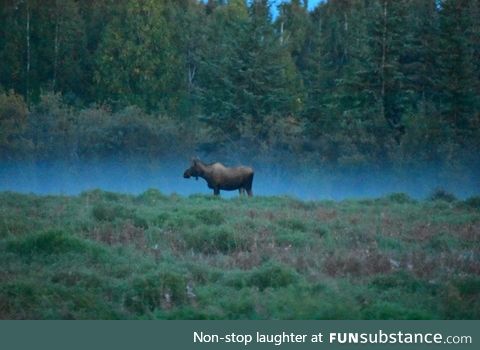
(194,170)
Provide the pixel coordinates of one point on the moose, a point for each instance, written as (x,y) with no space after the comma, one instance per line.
(220,177)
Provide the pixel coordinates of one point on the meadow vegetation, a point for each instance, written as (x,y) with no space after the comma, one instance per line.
(102,255)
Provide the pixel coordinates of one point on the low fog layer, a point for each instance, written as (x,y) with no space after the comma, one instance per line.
(315,184)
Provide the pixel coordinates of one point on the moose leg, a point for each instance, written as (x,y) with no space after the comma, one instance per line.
(216,191)
(241,191)
(248,186)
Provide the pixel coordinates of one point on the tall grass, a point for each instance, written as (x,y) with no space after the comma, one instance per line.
(103,255)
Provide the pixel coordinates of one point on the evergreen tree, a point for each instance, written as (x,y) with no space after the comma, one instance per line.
(15,47)
(136,63)
(248,72)
(69,49)
(293,25)
(187,22)
(458,66)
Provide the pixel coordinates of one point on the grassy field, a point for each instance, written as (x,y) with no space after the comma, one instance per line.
(103,255)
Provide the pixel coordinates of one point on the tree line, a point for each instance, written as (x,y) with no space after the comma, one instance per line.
(352,83)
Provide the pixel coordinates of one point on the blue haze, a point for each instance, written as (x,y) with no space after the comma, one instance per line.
(313,184)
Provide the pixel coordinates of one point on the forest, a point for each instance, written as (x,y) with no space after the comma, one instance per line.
(360,84)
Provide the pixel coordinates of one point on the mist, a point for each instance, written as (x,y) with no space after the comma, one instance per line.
(136,176)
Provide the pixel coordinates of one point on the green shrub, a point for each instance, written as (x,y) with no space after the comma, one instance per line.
(442,241)
(98,195)
(76,278)
(461,298)
(273,275)
(238,304)
(269,275)
(18,299)
(151,196)
(109,213)
(209,216)
(469,285)
(388,243)
(139,221)
(236,279)
(14,225)
(204,197)
(161,219)
(187,312)
(301,301)
(203,273)
(441,194)
(388,310)
(400,197)
(13,120)
(289,237)
(473,202)
(112,196)
(321,230)
(399,280)
(178,219)
(104,212)
(47,243)
(293,224)
(211,240)
(156,290)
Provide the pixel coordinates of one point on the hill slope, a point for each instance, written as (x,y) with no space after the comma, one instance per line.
(104,255)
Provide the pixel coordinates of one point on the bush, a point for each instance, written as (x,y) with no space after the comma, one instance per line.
(156,291)
(400,197)
(18,299)
(104,212)
(294,238)
(51,127)
(461,298)
(238,304)
(151,196)
(161,219)
(321,230)
(473,202)
(293,224)
(469,285)
(127,132)
(441,194)
(47,243)
(212,240)
(209,216)
(387,310)
(398,280)
(273,275)
(13,118)
(442,241)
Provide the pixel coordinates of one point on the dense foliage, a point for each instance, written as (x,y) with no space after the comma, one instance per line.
(351,83)
(104,255)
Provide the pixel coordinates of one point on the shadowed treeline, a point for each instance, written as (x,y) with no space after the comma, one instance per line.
(386,88)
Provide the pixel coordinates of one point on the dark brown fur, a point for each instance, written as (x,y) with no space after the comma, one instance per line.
(219,177)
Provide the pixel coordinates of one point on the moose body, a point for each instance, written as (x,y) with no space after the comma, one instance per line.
(220,177)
